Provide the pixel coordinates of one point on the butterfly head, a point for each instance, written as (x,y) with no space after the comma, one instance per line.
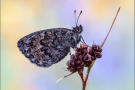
(77,29)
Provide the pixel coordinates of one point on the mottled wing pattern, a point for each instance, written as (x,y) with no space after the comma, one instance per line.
(46,47)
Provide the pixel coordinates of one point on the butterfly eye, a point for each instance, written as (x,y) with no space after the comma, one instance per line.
(80,29)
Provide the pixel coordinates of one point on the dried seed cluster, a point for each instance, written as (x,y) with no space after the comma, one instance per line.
(83,57)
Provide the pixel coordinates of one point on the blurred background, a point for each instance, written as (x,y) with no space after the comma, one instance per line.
(114,71)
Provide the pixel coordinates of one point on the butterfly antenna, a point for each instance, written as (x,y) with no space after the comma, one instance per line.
(78,17)
(75,17)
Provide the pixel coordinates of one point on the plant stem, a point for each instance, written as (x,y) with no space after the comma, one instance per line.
(81,76)
(110,27)
(84,80)
(84,86)
(87,74)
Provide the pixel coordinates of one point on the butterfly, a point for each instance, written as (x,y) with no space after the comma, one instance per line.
(49,46)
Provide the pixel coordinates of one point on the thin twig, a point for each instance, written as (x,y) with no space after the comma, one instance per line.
(110,27)
(81,76)
(87,74)
(65,76)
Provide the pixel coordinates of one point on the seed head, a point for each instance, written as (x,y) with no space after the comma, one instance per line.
(83,57)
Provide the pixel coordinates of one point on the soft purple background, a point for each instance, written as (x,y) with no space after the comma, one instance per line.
(115,71)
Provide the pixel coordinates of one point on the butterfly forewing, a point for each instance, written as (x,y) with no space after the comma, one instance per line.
(47,47)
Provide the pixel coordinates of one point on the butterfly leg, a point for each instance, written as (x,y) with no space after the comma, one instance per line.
(82,39)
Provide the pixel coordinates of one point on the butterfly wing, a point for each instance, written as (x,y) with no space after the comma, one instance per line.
(46,47)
